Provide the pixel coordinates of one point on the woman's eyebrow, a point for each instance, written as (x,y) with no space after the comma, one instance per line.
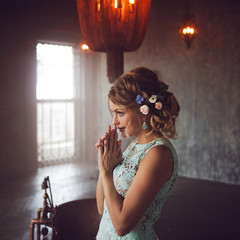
(115,110)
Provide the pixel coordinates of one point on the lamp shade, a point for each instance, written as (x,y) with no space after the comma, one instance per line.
(114,27)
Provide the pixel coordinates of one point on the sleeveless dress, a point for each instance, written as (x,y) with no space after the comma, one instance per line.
(123,176)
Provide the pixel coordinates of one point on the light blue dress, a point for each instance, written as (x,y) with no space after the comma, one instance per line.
(123,176)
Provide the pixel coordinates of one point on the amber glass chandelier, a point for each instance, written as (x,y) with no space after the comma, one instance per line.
(114,27)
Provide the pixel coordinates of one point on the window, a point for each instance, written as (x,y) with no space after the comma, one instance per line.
(57,102)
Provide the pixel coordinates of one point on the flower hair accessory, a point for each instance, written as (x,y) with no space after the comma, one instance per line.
(158,105)
(139,99)
(153,99)
(144,109)
(156,102)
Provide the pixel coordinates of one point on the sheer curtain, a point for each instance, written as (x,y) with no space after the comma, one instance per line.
(60,104)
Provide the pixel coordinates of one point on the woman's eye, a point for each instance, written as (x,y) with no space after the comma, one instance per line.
(120,113)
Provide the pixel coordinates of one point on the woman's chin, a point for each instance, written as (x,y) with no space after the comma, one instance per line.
(123,133)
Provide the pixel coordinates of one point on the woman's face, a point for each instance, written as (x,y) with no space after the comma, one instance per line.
(125,119)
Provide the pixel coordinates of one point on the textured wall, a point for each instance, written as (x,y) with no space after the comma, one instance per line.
(205,80)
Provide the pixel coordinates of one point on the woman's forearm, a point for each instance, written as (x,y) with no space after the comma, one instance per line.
(100,196)
(113,200)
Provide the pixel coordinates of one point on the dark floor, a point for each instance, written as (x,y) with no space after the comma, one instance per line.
(196,209)
(21,198)
(200,209)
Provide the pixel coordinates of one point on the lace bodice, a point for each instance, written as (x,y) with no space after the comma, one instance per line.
(123,176)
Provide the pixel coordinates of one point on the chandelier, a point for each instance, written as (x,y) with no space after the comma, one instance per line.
(114,27)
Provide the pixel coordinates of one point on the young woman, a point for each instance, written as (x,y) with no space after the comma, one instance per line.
(133,186)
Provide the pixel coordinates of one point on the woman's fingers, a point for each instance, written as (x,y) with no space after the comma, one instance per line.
(119,150)
(108,133)
(109,129)
(101,139)
(104,137)
(115,146)
(98,143)
(111,135)
(108,146)
(112,140)
(105,145)
(119,143)
(100,147)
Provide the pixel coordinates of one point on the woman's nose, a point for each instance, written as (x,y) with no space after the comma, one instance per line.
(115,121)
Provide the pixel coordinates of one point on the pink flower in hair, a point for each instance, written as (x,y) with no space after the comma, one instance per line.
(144,109)
(158,105)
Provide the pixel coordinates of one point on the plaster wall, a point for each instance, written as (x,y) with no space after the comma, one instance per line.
(205,80)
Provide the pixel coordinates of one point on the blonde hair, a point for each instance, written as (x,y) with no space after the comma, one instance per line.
(142,81)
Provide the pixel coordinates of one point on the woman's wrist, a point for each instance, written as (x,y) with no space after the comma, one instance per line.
(106,174)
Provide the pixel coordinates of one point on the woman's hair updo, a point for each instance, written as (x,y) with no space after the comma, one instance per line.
(144,82)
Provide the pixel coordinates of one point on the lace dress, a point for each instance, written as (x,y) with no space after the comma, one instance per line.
(123,176)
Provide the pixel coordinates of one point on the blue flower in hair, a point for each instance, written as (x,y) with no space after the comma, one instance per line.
(161,97)
(139,99)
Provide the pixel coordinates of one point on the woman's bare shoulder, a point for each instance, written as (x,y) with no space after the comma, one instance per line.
(158,161)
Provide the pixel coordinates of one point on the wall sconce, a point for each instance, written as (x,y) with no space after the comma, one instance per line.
(114,27)
(84,47)
(188,29)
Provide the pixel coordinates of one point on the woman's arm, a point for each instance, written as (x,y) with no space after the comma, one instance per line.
(100,196)
(99,190)
(154,170)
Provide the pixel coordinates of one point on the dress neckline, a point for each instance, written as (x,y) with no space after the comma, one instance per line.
(143,144)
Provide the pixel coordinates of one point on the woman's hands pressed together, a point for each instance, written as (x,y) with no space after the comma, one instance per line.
(109,151)
(109,155)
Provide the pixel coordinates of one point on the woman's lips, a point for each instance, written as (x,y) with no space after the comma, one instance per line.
(121,129)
